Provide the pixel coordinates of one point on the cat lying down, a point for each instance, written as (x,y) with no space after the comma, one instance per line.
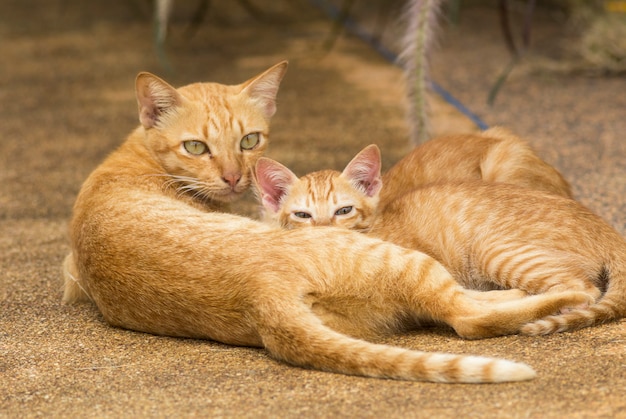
(488,235)
(152,247)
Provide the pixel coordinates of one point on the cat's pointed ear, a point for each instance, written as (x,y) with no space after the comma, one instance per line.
(264,88)
(272,181)
(155,98)
(363,171)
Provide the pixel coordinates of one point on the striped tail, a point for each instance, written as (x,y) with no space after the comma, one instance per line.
(611,307)
(302,340)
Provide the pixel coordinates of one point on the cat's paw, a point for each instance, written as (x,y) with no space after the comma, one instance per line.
(565,310)
(575,300)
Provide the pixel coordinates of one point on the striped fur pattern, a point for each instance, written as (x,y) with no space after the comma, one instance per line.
(320,198)
(153,250)
(488,236)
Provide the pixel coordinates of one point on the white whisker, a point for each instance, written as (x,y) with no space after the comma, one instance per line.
(189,186)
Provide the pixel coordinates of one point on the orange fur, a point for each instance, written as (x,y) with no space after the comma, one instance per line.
(487,235)
(153,250)
(494,155)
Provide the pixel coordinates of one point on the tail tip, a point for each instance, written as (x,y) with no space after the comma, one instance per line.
(497,370)
(514,371)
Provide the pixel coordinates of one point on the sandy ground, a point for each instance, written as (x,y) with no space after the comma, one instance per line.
(66,101)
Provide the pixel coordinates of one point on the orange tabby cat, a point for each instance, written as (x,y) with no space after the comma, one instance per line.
(487,235)
(152,251)
(494,155)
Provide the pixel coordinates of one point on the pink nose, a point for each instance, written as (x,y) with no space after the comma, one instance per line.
(232,178)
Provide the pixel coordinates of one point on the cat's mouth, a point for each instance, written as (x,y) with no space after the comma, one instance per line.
(206,192)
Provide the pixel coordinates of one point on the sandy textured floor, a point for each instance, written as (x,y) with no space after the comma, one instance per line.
(66,100)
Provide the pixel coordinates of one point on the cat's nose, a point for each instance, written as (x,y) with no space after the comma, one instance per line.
(231,178)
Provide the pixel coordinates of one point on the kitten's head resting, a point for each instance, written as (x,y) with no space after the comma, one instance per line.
(207,137)
(347,199)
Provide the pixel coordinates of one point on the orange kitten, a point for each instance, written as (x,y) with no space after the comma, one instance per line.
(494,155)
(487,235)
(152,251)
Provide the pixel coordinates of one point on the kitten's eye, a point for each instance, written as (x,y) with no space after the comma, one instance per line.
(248,142)
(343,211)
(195,147)
(302,214)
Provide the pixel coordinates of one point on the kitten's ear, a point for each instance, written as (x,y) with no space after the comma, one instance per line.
(363,171)
(264,87)
(272,180)
(155,98)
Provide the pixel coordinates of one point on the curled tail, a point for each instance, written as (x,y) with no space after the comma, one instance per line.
(301,339)
(611,307)
(421,26)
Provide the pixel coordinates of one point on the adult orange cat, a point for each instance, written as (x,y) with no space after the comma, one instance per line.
(152,250)
(487,235)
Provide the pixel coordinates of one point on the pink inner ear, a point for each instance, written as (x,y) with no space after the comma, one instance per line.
(154,97)
(265,93)
(148,113)
(364,170)
(373,187)
(273,181)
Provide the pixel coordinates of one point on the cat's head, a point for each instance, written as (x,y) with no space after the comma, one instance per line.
(207,137)
(347,199)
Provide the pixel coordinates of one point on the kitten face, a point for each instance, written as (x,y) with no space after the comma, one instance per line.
(207,136)
(345,199)
(323,199)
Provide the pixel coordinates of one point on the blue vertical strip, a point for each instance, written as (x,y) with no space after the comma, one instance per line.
(356,29)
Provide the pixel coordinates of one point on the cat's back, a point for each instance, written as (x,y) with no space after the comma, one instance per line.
(512,160)
(451,157)
(479,210)
(494,155)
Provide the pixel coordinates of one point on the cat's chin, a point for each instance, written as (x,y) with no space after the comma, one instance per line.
(227,196)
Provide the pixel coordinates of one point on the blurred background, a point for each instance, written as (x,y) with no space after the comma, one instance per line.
(551,71)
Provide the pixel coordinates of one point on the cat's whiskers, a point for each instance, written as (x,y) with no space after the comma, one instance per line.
(197,189)
(186,185)
(130,261)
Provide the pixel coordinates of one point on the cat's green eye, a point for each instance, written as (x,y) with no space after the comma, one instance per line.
(248,142)
(344,210)
(302,214)
(195,147)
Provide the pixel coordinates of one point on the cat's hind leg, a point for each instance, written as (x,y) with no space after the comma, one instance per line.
(436,295)
(535,269)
